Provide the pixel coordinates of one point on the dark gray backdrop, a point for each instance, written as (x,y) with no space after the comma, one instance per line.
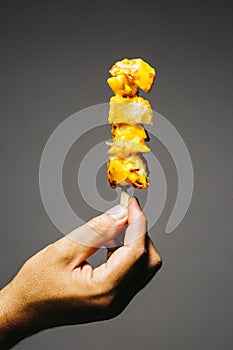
(54,61)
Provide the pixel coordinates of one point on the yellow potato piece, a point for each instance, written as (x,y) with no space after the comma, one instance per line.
(135,110)
(128,171)
(137,72)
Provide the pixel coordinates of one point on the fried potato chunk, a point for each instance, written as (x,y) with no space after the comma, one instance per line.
(135,110)
(127,140)
(136,71)
(128,171)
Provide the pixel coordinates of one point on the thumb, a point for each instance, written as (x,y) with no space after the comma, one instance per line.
(86,239)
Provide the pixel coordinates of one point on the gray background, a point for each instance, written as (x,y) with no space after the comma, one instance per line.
(54,61)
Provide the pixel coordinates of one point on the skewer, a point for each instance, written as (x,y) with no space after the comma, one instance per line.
(114,243)
(124,198)
(127,111)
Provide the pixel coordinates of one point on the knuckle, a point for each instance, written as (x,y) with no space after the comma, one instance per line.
(61,251)
(156,261)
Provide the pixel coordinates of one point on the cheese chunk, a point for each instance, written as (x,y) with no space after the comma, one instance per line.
(135,110)
(137,72)
(128,171)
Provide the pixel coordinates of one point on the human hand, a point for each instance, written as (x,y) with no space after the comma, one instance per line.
(57,286)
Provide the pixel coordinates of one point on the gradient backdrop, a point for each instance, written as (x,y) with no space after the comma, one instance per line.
(55,57)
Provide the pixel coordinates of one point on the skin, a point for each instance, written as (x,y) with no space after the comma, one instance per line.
(57,286)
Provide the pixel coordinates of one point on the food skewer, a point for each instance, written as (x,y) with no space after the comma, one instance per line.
(124,197)
(126,165)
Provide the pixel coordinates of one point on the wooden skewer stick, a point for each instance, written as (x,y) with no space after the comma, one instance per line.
(114,243)
(124,199)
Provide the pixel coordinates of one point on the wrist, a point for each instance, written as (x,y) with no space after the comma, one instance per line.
(14,318)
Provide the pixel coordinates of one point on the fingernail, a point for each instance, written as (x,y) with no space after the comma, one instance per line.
(118,212)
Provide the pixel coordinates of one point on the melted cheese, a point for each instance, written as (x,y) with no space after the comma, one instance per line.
(130,132)
(128,171)
(120,85)
(136,71)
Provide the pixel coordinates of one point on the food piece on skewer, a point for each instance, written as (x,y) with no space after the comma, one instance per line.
(128,171)
(130,110)
(126,131)
(136,71)
(127,140)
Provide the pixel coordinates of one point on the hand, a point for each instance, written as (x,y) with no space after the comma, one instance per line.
(57,286)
